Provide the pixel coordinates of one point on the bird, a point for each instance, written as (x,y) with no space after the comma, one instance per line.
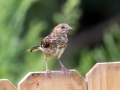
(54,44)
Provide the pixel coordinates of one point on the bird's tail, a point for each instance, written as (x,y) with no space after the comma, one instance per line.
(33,49)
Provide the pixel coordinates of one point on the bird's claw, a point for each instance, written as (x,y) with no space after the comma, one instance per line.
(65,70)
(48,72)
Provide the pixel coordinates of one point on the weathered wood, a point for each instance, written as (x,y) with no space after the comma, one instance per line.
(58,80)
(104,76)
(6,85)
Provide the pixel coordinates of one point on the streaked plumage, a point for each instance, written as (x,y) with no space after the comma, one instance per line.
(54,44)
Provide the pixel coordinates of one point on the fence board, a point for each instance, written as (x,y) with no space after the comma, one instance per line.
(6,85)
(58,80)
(104,76)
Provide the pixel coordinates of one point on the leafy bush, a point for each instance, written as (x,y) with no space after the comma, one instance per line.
(108,51)
(22,25)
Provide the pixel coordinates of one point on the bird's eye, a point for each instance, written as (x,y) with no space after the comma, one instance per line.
(62,27)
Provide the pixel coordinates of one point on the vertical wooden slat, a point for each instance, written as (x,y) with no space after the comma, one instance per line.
(58,80)
(104,76)
(6,85)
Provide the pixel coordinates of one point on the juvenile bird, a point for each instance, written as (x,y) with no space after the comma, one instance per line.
(54,44)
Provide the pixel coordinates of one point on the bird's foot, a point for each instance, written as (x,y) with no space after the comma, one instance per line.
(65,70)
(48,72)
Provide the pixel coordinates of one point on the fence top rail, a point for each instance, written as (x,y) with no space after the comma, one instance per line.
(5,84)
(102,63)
(58,80)
(103,76)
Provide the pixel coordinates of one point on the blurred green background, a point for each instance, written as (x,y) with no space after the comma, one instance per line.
(24,23)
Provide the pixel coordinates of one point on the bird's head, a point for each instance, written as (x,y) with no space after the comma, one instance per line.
(62,28)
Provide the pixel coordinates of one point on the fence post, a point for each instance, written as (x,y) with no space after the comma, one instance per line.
(6,85)
(58,80)
(104,76)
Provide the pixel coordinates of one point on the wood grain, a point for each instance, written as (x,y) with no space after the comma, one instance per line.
(58,80)
(104,76)
(6,85)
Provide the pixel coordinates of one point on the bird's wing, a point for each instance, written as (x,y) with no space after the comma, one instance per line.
(48,41)
(45,43)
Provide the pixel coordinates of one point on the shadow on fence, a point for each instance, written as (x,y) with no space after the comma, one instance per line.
(103,76)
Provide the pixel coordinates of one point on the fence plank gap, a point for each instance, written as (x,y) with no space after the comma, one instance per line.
(58,80)
(104,76)
(6,85)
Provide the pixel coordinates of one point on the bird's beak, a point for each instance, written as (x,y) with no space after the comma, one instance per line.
(69,28)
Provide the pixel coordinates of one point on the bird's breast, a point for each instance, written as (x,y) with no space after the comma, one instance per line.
(57,47)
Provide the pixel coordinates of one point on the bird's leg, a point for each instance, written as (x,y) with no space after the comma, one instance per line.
(47,70)
(63,68)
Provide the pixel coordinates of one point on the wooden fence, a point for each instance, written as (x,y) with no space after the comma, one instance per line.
(103,76)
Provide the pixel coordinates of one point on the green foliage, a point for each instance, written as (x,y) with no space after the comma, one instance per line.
(109,51)
(11,24)
(21,28)
(85,62)
(70,13)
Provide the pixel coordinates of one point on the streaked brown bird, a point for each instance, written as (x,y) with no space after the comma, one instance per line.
(54,44)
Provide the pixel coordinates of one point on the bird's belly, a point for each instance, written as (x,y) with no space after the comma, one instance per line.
(59,50)
(56,51)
